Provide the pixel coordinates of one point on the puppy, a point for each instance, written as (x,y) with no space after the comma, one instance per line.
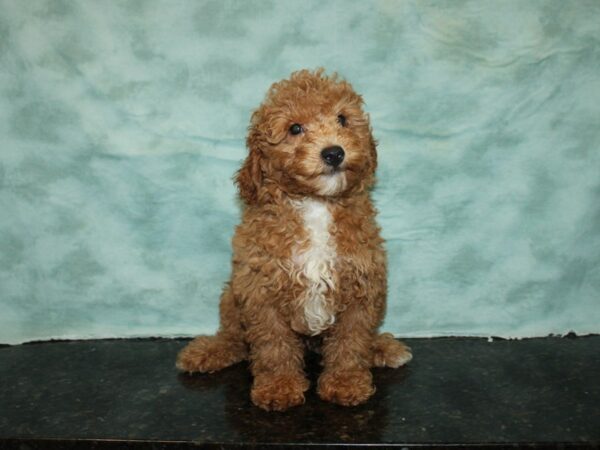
(308,258)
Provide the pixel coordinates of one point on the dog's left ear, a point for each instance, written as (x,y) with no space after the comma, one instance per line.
(373,150)
(249,178)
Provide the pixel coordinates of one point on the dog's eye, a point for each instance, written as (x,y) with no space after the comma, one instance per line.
(296,129)
(342,120)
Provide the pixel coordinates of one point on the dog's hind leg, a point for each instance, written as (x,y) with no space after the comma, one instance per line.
(390,352)
(227,347)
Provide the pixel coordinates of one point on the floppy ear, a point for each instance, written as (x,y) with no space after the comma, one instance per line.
(373,150)
(369,179)
(249,178)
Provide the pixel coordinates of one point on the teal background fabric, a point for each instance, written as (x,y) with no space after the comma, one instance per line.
(123,122)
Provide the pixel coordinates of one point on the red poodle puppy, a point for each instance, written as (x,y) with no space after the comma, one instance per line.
(308,257)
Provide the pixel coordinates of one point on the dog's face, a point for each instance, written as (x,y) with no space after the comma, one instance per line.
(309,137)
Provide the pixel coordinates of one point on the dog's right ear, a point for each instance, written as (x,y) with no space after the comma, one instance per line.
(249,178)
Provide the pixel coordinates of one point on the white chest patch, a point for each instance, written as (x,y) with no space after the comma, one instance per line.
(316,265)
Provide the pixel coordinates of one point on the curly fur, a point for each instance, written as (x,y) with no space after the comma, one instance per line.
(308,258)
(315,264)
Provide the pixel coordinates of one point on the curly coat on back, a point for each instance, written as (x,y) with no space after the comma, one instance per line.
(308,258)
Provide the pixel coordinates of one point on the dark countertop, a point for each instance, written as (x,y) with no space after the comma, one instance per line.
(455,392)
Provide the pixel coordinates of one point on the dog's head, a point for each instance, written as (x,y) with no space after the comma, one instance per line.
(309,137)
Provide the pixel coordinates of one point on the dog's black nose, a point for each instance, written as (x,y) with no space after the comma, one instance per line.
(333,156)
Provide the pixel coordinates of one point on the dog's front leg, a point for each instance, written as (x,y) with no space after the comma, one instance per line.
(346,377)
(276,361)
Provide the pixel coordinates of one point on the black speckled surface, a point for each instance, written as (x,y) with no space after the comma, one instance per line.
(456,391)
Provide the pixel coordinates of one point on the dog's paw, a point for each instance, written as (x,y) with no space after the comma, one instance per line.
(209,354)
(278,392)
(389,352)
(348,388)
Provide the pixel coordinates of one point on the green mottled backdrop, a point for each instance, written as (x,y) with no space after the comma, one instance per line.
(122,123)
